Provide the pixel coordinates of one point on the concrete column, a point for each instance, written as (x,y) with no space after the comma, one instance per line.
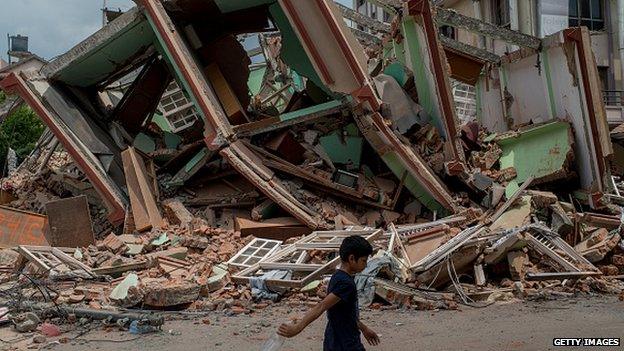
(478,15)
(620,36)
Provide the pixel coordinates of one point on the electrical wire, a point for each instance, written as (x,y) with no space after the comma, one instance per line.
(466,300)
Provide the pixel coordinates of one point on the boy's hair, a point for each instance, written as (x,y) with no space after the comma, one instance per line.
(355,245)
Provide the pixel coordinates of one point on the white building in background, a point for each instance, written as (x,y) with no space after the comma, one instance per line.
(30,63)
(604,18)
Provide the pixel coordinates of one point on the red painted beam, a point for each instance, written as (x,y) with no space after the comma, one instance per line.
(342,41)
(200,89)
(576,35)
(15,84)
(316,56)
(422,8)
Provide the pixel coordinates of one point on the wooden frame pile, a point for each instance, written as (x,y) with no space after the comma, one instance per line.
(296,257)
(254,252)
(55,262)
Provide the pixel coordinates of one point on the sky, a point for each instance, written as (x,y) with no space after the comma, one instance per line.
(55,26)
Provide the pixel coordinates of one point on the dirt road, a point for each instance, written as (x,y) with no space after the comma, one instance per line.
(509,326)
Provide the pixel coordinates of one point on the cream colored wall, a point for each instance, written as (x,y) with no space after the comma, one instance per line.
(466,8)
(527,17)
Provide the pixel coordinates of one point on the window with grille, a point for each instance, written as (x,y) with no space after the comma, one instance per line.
(500,13)
(177,109)
(587,13)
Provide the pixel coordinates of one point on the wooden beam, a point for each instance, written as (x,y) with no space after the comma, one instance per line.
(144,207)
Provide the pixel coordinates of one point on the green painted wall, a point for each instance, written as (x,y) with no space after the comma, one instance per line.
(537,152)
(308,110)
(256,77)
(425,84)
(293,53)
(109,56)
(234,5)
(343,150)
(393,162)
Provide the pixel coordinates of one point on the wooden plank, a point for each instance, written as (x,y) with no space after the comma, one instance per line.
(560,275)
(146,189)
(71,262)
(24,251)
(318,246)
(511,200)
(69,222)
(317,273)
(290,266)
(110,270)
(232,107)
(537,245)
(139,211)
(144,207)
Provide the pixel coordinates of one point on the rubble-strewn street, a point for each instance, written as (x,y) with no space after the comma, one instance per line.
(204,160)
(506,326)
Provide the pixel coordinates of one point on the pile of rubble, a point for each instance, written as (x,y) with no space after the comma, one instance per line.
(192,174)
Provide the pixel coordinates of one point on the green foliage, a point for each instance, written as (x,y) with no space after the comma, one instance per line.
(2,97)
(20,131)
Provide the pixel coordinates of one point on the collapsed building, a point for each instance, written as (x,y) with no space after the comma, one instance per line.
(335,82)
(269,121)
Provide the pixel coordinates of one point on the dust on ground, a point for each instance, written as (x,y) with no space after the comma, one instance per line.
(508,326)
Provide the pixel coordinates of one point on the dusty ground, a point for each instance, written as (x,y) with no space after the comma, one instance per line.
(509,326)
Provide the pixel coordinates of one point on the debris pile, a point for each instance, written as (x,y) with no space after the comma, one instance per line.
(197,173)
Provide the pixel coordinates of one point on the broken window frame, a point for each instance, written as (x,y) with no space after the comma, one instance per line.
(258,244)
(183,110)
(298,252)
(49,259)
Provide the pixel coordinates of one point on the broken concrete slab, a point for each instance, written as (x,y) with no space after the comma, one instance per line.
(176,213)
(176,252)
(570,69)
(170,293)
(516,216)
(517,261)
(598,245)
(126,292)
(457,20)
(217,128)
(217,280)
(404,162)
(404,112)
(543,152)
(424,56)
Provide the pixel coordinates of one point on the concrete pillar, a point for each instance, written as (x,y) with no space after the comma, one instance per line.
(620,36)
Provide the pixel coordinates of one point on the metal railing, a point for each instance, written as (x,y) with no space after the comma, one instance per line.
(613,97)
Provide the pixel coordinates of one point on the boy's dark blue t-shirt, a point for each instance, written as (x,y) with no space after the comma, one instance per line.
(342,332)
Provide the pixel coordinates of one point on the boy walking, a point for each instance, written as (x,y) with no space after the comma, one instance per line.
(343,323)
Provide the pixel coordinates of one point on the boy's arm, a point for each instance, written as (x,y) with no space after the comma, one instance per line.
(290,330)
(368,333)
